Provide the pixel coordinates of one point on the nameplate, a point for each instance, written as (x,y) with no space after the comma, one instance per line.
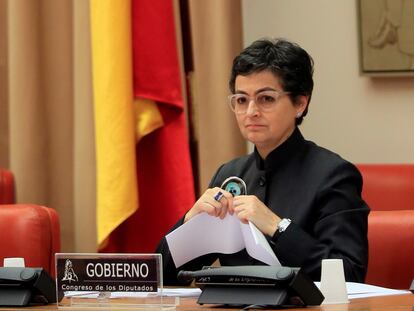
(139,273)
(96,279)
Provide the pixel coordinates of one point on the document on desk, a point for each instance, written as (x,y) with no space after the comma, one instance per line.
(205,234)
(360,290)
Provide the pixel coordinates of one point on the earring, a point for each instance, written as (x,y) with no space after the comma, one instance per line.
(298,115)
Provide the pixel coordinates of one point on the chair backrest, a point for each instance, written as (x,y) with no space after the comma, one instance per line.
(7,192)
(391,248)
(31,232)
(388,186)
(388,189)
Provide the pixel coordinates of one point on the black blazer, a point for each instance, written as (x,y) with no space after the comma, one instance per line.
(314,187)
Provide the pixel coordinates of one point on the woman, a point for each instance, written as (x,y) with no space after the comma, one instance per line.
(305,199)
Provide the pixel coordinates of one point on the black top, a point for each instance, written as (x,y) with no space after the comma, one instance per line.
(314,187)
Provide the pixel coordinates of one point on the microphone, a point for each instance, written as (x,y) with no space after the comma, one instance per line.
(186,276)
(229,275)
(253,285)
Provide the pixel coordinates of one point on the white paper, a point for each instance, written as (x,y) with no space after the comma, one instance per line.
(182,292)
(360,290)
(260,244)
(205,234)
(166,292)
(14,262)
(354,290)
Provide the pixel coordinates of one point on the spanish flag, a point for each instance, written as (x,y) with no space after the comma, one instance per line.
(145,181)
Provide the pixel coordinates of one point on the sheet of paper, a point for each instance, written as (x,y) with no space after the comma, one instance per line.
(354,290)
(257,245)
(202,235)
(360,290)
(182,292)
(205,234)
(167,292)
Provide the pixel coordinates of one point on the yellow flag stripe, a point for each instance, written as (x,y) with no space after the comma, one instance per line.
(117,189)
(148,117)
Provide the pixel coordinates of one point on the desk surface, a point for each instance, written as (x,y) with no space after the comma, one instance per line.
(382,303)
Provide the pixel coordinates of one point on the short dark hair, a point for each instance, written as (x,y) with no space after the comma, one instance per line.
(287,60)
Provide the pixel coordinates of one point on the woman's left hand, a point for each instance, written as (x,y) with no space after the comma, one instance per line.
(250,208)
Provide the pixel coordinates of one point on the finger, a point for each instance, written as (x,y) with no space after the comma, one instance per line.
(209,209)
(217,201)
(223,197)
(237,205)
(223,211)
(214,207)
(229,205)
(238,200)
(206,204)
(220,194)
(217,208)
(227,194)
(242,215)
(226,204)
(213,196)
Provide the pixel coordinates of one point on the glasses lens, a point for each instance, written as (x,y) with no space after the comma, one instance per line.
(239,103)
(267,100)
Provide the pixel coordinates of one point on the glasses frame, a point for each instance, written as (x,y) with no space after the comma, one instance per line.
(277,96)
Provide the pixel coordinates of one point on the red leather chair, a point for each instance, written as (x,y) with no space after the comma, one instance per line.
(32,232)
(389,191)
(7,192)
(388,187)
(391,248)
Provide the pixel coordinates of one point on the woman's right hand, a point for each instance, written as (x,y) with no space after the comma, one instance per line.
(212,203)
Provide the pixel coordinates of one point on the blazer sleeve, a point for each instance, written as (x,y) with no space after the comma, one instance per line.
(340,230)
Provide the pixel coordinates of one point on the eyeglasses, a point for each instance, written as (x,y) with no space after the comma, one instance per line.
(265,101)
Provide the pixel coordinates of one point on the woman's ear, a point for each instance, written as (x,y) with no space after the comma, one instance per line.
(301,103)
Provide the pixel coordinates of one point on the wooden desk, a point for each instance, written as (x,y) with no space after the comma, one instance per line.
(383,303)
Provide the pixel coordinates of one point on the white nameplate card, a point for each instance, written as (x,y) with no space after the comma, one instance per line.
(94,279)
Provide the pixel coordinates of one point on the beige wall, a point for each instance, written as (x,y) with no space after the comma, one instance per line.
(362,118)
(84,182)
(216,39)
(40,106)
(4,111)
(48,98)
